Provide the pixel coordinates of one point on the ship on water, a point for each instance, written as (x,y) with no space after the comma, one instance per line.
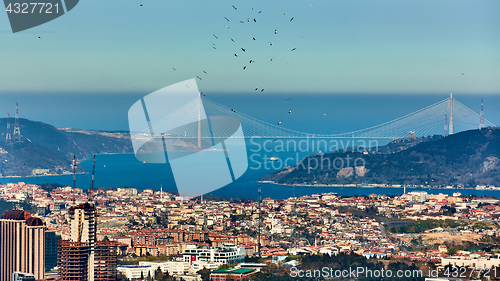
(366,185)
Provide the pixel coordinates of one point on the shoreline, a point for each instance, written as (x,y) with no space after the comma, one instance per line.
(374,187)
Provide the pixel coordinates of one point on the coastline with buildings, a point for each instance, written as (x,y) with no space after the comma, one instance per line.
(188,235)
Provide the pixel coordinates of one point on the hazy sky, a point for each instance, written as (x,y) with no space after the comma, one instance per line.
(390,46)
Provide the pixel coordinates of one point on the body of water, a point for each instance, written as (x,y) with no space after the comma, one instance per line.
(124,170)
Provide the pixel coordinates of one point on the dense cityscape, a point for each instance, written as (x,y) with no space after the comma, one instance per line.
(126,234)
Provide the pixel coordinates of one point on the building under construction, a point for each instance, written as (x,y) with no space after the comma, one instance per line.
(73,259)
(106,260)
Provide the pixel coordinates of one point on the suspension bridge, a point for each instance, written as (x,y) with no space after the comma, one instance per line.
(445,117)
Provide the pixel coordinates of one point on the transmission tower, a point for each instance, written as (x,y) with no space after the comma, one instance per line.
(481,118)
(17,131)
(8,137)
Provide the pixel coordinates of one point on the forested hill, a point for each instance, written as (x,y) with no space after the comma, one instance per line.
(467,158)
(43,146)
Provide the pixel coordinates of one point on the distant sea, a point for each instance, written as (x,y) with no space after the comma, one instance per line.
(311,113)
(124,170)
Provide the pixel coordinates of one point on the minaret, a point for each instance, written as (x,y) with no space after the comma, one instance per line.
(450,127)
(161,192)
(8,137)
(17,131)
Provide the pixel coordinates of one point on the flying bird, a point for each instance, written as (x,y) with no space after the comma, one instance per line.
(275,31)
(198,77)
(174,69)
(243,49)
(235,55)
(291,19)
(324,114)
(251,7)
(254,20)
(235,7)
(289,61)
(214,47)
(248,19)
(260,12)
(226,18)
(462,73)
(253,38)
(226,26)
(301,36)
(271,59)
(242,21)
(201,93)
(270,44)
(251,61)
(288,99)
(245,67)
(215,36)
(280,122)
(294,49)
(290,111)
(256,89)
(233,110)
(285,13)
(232,39)
(262,90)
(205,72)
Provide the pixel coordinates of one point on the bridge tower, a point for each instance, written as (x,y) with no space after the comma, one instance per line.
(446,125)
(8,137)
(481,118)
(450,127)
(199,120)
(17,131)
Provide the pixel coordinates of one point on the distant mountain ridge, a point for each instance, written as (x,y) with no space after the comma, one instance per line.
(464,159)
(48,148)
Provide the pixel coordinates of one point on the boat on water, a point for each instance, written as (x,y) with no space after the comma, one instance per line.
(366,185)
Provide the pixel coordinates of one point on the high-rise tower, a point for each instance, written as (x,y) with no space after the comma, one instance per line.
(22,244)
(17,131)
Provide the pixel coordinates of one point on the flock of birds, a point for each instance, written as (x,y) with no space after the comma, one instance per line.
(245,49)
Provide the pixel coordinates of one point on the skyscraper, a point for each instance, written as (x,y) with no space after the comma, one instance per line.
(22,243)
(76,256)
(51,247)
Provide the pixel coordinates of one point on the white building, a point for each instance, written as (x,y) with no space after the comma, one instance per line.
(178,268)
(133,272)
(227,253)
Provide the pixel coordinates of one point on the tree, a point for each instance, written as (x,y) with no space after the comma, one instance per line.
(205,274)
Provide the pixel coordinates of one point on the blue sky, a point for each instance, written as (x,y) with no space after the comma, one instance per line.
(347,47)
